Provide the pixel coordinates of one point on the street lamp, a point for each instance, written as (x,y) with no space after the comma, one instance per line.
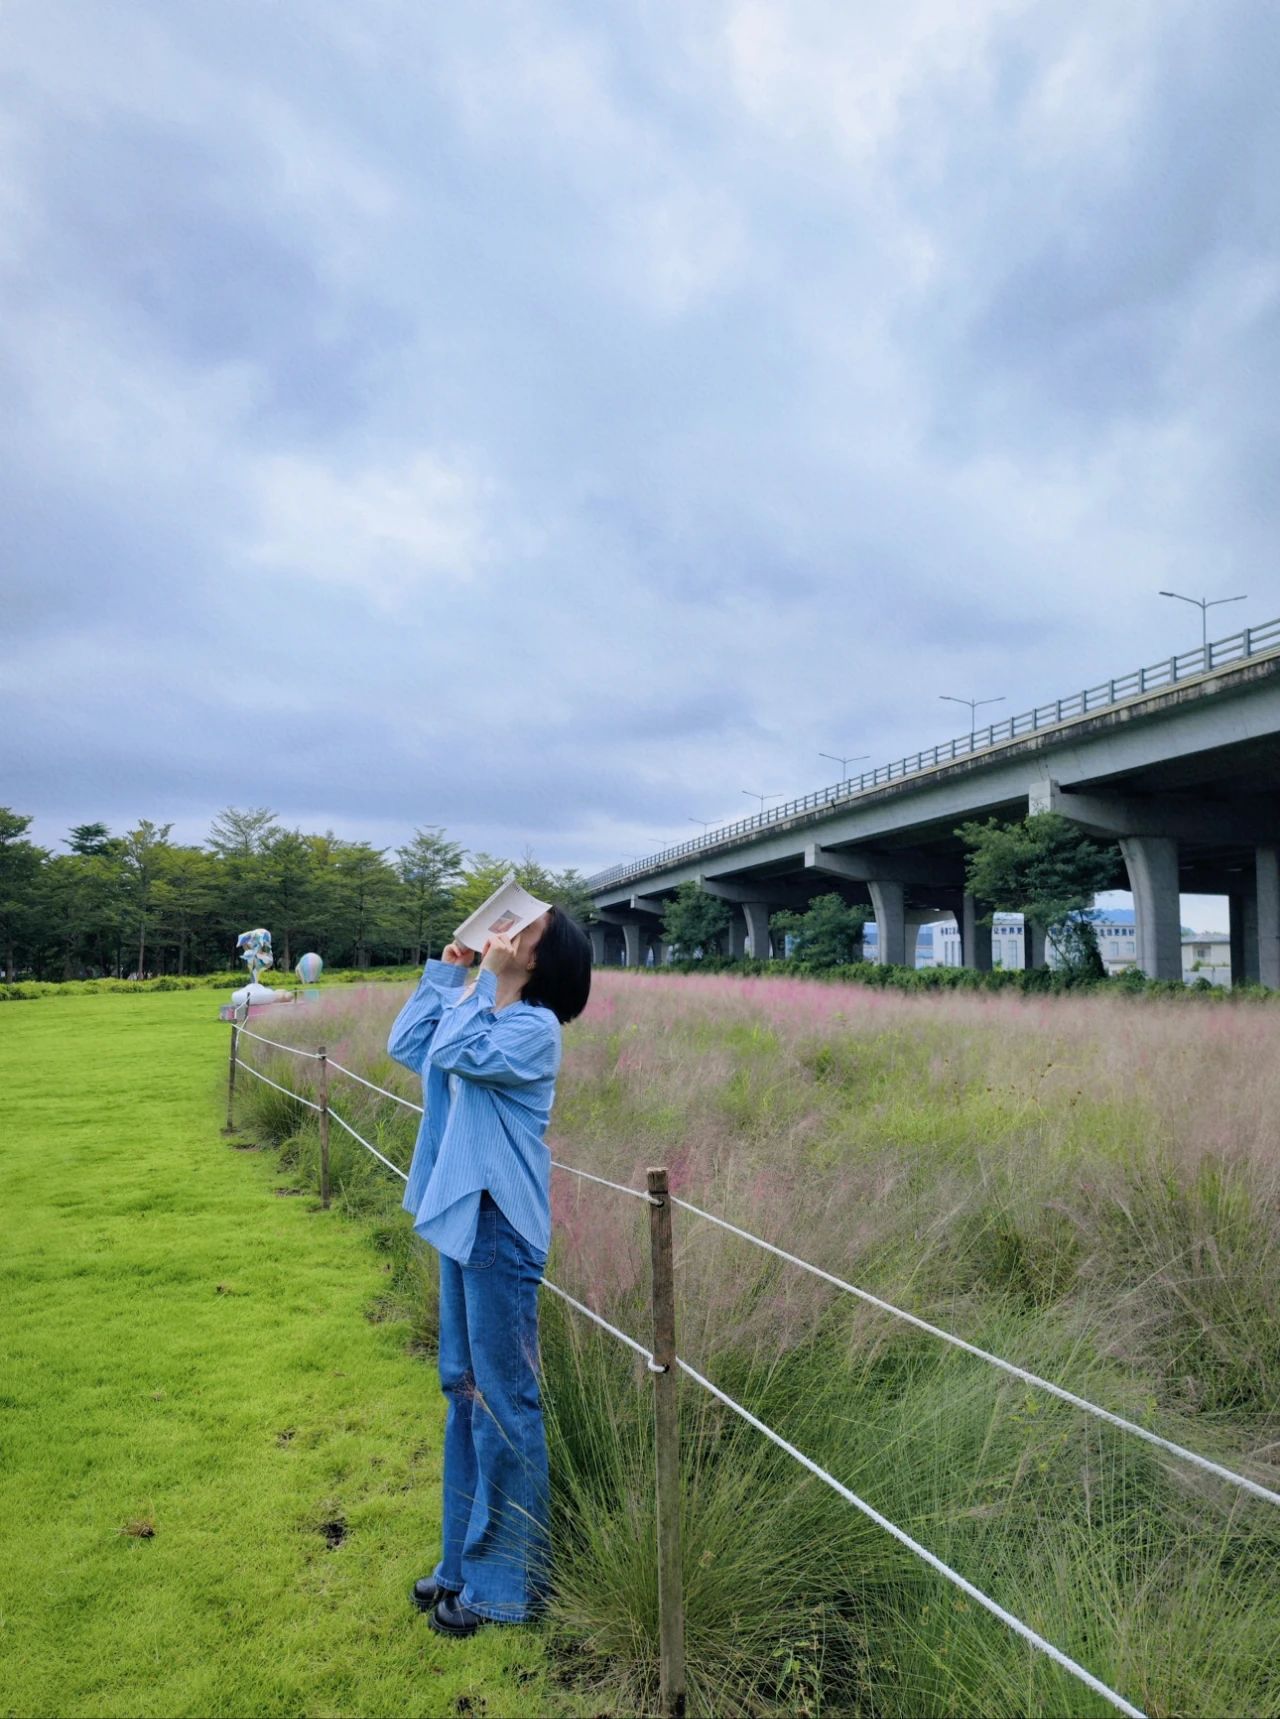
(705,822)
(973,707)
(1204,605)
(753,795)
(844,763)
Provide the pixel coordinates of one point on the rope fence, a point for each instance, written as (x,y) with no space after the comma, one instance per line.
(288,1092)
(311,1056)
(395,1097)
(368,1148)
(664,1363)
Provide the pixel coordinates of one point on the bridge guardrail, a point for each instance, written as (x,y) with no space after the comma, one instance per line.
(1218,653)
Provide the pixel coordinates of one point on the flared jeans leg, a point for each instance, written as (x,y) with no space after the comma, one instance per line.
(495,1450)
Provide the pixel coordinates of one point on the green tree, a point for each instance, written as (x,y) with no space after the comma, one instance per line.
(142,859)
(185,894)
(292,883)
(89,839)
(239,840)
(827,934)
(1048,870)
(366,896)
(568,889)
(20,866)
(430,867)
(83,906)
(236,834)
(694,920)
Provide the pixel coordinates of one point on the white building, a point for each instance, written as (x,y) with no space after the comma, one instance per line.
(1206,955)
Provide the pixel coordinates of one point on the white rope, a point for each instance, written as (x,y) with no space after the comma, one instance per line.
(352,1075)
(621,1187)
(360,1137)
(612,1329)
(1177,1450)
(936,1563)
(311,1056)
(248,1066)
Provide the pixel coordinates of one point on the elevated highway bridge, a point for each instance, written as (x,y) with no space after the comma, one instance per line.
(1178,762)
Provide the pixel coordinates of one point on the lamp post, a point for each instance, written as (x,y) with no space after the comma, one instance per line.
(705,822)
(973,705)
(1204,604)
(753,795)
(844,763)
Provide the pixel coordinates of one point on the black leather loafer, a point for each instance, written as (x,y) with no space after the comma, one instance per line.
(450,1617)
(426,1591)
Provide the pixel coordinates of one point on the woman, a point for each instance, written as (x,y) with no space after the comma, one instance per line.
(479,1192)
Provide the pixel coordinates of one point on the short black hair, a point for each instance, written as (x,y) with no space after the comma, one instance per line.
(561,977)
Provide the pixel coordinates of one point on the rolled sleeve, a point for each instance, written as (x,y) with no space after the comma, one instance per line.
(415,1026)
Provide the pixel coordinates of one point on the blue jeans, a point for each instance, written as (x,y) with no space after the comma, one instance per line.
(495,1448)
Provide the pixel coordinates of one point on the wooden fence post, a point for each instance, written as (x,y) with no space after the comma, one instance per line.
(666,1428)
(323,1090)
(231,1079)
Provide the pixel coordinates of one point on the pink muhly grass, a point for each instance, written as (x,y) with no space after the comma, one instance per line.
(917,1144)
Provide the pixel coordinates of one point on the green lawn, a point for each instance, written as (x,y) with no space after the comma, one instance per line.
(184,1347)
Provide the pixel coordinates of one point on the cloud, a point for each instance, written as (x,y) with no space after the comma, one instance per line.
(390,535)
(551,422)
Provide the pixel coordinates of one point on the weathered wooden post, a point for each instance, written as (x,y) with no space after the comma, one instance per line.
(231,1078)
(323,1094)
(666,1427)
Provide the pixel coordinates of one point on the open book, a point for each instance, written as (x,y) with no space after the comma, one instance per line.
(508,910)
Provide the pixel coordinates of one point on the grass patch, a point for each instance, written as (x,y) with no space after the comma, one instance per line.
(218,1477)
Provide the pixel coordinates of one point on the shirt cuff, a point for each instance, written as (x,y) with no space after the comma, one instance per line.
(444,973)
(487,988)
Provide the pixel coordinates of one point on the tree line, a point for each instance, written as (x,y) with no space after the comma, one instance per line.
(112,905)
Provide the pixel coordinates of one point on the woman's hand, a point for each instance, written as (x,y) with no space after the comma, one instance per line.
(456,955)
(502,955)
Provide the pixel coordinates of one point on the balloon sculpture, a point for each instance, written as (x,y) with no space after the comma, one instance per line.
(308,970)
(255,951)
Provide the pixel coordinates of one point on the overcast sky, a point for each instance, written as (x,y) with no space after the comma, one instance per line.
(551,420)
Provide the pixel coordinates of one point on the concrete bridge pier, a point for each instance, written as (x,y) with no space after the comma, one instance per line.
(1235,927)
(975,938)
(1267,891)
(1244,933)
(619,940)
(888,902)
(1035,946)
(756,914)
(1152,864)
(736,936)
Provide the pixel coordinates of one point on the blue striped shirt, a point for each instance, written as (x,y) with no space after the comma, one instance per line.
(488,1082)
